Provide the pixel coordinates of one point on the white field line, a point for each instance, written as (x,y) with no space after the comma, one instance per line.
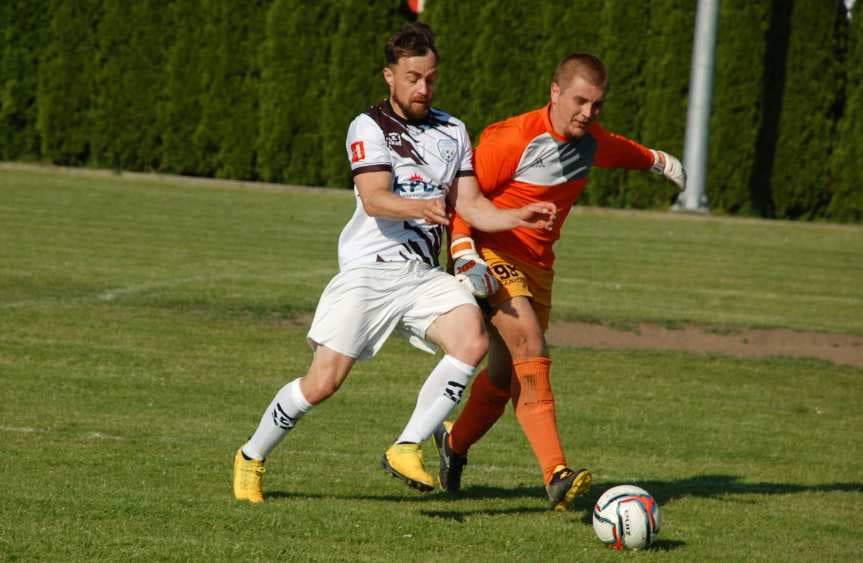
(24,429)
(765,295)
(144,287)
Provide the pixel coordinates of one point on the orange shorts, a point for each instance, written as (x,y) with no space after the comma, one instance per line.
(518,277)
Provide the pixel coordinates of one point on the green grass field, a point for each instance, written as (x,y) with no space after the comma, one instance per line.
(145,324)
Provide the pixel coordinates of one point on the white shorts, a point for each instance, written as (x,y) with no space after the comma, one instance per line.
(361,307)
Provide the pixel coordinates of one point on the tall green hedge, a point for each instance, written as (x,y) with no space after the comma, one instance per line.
(265,89)
(182,89)
(811,104)
(294,80)
(847,164)
(228,126)
(738,110)
(67,69)
(127,85)
(503,82)
(22,32)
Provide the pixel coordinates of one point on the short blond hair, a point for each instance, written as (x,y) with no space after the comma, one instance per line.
(585,65)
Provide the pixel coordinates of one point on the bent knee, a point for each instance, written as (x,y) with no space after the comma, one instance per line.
(528,345)
(321,381)
(471,346)
(318,389)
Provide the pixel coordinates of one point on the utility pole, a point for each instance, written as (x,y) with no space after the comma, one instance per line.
(698,113)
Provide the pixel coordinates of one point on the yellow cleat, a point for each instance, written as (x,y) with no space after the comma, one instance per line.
(405,462)
(567,484)
(247,478)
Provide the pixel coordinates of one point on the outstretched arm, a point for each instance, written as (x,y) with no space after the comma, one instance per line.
(479,212)
(616,151)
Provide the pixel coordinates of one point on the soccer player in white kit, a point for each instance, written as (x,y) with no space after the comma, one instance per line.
(409,161)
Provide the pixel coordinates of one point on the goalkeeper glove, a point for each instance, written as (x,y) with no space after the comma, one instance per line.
(670,167)
(471,270)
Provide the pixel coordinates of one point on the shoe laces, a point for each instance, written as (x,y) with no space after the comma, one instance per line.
(253,468)
(562,474)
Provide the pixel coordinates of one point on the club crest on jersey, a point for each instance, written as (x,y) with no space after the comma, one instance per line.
(394,139)
(447,149)
(358,151)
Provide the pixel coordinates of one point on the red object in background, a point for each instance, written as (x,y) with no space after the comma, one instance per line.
(416,6)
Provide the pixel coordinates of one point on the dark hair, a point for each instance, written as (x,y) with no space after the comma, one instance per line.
(584,65)
(412,40)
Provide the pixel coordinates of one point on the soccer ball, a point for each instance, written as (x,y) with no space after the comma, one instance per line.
(626,516)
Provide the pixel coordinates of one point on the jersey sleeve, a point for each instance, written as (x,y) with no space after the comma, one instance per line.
(366,146)
(460,227)
(497,155)
(466,164)
(616,151)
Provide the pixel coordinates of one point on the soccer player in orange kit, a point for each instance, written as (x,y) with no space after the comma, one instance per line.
(542,155)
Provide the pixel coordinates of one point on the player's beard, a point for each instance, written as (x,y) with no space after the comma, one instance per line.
(414,110)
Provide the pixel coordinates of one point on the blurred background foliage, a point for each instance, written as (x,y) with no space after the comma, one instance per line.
(265,89)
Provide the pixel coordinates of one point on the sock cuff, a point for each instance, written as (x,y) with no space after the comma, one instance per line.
(298,397)
(532,366)
(467,369)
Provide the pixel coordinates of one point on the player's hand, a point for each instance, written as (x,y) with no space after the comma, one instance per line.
(433,211)
(470,270)
(540,215)
(670,167)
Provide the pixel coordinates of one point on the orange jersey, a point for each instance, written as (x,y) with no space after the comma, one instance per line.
(522,160)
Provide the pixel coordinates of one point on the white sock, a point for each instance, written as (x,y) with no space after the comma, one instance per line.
(284,411)
(438,397)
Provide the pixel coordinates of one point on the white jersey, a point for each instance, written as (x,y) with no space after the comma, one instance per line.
(424,158)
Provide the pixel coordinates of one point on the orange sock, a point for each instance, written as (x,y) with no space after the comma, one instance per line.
(534,408)
(485,404)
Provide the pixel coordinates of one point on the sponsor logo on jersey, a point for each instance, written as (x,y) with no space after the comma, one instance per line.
(416,184)
(448,149)
(394,139)
(358,151)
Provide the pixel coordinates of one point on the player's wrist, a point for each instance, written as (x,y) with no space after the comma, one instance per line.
(669,166)
(462,246)
(470,269)
(658,166)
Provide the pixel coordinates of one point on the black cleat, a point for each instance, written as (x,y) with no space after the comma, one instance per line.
(565,485)
(451,464)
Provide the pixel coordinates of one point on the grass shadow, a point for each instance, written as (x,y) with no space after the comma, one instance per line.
(716,486)
(273,495)
(460,515)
